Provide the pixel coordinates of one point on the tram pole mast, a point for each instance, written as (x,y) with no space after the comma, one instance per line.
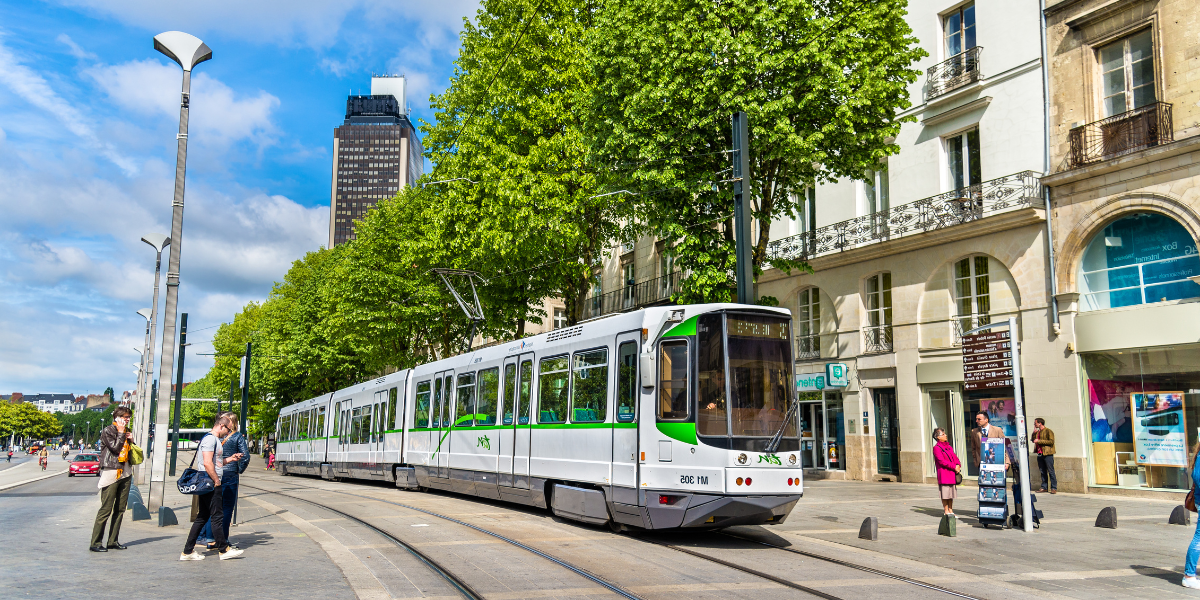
(741,211)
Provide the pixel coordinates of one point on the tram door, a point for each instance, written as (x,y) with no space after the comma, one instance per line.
(506,435)
(442,447)
(521,410)
(624,443)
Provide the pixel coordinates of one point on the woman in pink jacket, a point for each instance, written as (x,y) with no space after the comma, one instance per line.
(948,467)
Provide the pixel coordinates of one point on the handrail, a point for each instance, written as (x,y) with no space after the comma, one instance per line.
(953,73)
(631,297)
(1118,135)
(972,203)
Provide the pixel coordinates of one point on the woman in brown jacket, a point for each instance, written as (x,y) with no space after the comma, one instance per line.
(115,478)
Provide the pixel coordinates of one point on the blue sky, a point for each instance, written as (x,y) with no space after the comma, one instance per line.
(88,114)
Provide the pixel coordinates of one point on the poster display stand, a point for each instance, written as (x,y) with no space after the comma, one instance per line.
(993,497)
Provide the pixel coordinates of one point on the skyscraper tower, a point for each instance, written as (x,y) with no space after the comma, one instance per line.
(376,150)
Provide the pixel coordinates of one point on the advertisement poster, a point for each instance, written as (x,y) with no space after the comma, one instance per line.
(1109,404)
(992,451)
(1002,412)
(1159,431)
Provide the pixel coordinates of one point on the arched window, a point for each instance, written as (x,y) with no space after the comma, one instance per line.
(808,324)
(1138,259)
(972,293)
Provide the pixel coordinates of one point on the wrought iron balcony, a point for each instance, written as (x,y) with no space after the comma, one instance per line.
(877,339)
(1020,190)
(632,297)
(1121,134)
(808,347)
(959,70)
(968,322)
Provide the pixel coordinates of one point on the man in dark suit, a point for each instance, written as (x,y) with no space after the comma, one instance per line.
(984,429)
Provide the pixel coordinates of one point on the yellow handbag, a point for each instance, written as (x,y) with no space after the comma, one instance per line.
(136,455)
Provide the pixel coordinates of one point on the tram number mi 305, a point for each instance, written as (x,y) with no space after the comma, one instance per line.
(693,479)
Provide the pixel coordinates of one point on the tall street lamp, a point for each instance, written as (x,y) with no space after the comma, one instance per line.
(159,242)
(188,51)
(141,406)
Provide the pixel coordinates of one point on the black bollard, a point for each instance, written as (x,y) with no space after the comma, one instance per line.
(1180,516)
(869,529)
(1107,517)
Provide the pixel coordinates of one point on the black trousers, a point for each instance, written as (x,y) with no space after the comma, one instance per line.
(210,508)
(113,500)
(1046,466)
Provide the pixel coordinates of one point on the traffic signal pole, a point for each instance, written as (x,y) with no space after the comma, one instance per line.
(741,211)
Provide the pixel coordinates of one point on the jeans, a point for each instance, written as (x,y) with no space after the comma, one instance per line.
(1193,553)
(1046,467)
(229,495)
(210,508)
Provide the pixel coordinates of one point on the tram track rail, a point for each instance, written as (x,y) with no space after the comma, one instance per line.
(464,589)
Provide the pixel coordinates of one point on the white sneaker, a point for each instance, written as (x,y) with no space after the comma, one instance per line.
(231,552)
(1191,582)
(193,556)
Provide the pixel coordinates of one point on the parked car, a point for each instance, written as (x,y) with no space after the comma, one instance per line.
(84,464)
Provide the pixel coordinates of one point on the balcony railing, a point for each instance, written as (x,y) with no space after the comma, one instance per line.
(1121,134)
(959,70)
(877,340)
(1020,190)
(631,297)
(808,347)
(968,322)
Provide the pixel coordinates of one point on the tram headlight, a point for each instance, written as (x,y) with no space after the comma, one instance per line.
(791,459)
(742,458)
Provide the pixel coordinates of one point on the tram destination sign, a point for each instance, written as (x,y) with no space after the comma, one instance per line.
(987,361)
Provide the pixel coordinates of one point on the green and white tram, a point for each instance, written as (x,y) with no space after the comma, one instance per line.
(664,417)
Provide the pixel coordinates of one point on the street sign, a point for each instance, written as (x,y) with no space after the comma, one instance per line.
(987,361)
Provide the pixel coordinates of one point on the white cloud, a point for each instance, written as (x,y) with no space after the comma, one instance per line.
(75,49)
(311,22)
(217,115)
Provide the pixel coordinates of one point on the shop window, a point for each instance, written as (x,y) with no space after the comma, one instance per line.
(959,29)
(1144,407)
(972,294)
(963,160)
(808,324)
(1139,259)
(1127,73)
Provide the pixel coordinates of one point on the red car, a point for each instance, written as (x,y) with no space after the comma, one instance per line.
(85,464)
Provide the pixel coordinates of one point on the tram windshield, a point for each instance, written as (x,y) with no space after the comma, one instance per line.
(754,400)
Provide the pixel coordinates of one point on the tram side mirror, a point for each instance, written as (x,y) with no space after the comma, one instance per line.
(647,368)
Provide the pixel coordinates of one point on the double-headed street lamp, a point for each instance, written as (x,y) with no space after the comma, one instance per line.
(159,242)
(188,51)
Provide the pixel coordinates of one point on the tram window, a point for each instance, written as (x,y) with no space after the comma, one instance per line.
(375,422)
(346,426)
(589,387)
(711,405)
(627,359)
(463,417)
(447,412)
(485,402)
(421,410)
(364,425)
(393,395)
(352,434)
(304,425)
(437,402)
(321,422)
(525,388)
(552,390)
(510,393)
(672,388)
(337,419)
(760,375)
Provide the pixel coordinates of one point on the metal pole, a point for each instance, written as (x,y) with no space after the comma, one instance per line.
(178,392)
(741,211)
(1022,440)
(245,387)
(144,430)
(187,50)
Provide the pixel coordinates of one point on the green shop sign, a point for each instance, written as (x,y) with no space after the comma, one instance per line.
(810,382)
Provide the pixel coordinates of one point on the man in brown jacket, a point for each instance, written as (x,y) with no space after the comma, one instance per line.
(985,429)
(1043,442)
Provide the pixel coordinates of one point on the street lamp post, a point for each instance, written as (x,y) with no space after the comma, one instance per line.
(141,407)
(188,51)
(159,242)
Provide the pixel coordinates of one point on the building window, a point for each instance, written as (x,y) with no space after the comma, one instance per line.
(962,157)
(1127,72)
(628,280)
(875,188)
(878,335)
(808,324)
(959,27)
(560,318)
(666,270)
(1138,259)
(972,293)
(810,209)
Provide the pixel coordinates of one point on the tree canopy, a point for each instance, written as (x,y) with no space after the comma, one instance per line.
(26,420)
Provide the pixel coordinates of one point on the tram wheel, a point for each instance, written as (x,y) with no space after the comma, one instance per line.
(616,527)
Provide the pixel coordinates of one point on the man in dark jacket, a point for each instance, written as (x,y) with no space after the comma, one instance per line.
(234,443)
(1043,441)
(115,478)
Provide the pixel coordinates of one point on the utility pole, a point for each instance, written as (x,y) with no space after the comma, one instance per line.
(178,392)
(245,387)
(741,210)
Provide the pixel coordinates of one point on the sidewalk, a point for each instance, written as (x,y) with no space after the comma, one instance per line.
(1068,556)
(29,470)
(45,526)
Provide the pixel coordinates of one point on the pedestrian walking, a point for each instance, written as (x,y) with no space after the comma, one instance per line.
(212,459)
(234,444)
(1193,552)
(115,478)
(270,460)
(949,470)
(1043,443)
(10,456)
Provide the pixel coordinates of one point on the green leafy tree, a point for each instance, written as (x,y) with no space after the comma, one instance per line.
(821,82)
(25,420)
